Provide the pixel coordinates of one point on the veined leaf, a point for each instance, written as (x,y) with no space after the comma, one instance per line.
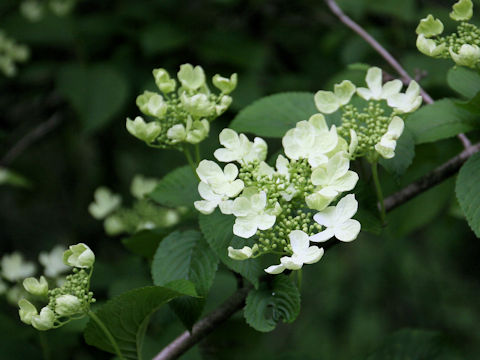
(404,154)
(464,81)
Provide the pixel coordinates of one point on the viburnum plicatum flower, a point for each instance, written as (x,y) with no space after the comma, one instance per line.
(222,182)
(328,102)
(239,148)
(387,144)
(406,102)
(375,90)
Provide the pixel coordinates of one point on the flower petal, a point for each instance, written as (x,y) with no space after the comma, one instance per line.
(275,269)
(299,241)
(348,231)
(346,208)
(323,235)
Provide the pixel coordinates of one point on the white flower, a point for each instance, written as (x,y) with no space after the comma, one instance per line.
(210,199)
(191,77)
(36,287)
(353,143)
(193,133)
(302,254)
(388,142)
(375,90)
(53,261)
(43,321)
(407,102)
(113,225)
(197,105)
(26,311)
(226,85)
(468,55)
(152,104)
(240,254)
(142,186)
(251,213)
(222,182)
(79,255)
(429,47)
(328,102)
(239,148)
(331,179)
(222,106)
(66,305)
(338,221)
(105,203)
(147,132)
(310,140)
(14,268)
(163,81)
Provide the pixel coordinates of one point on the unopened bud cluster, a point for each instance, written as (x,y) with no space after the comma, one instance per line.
(11,53)
(462,46)
(371,118)
(142,215)
(183,111)
(67,302)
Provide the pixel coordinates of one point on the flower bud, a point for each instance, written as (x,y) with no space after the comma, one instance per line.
(163,81)
(197,105)
(198,131)
(429,27)
(147,132)
(79,255)
(36,287)
(191,77)
(43,321)
(152,104)
(239,254)
(429,47)
(66,305)
(27,311)
(225,102)
(177,133)
(225,85)
(462,10)
(468,55)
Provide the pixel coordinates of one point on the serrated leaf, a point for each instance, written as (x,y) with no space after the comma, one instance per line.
(97,93)
(218,231)
(273,115)
(404,154)
(440,120)
(126,317)
(464,81)
(273,301)
(468,190)
(410,344)
(185,255)
(145,242)
(177,188)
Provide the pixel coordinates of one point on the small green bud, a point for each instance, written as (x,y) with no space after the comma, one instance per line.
(147,132)
(197,105)
(225,85)
(27,311)
(191,77)
(67,305)
(462,10)
(468,55)
(429,27)
(79,255)
(151,104)
(36,287)
(43,321)
(163,81)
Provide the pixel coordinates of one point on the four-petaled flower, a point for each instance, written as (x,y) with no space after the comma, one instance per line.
(239,148)
(375,90)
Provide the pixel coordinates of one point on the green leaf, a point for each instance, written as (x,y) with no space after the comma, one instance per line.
(464,81)
(126,317)
(440,120)
(409,344)
(273,301)
(185,255)
(97,93)
(178,188)
(145,242)
(273,115)
(217,229)
(468,190)
(404,154)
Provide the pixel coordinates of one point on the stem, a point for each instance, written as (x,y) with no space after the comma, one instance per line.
(44,345)
(197,153)
(189,159)
(107,333)
(299,279)
(378,189)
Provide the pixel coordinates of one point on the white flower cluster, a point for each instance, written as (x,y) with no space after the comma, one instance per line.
(143,214)
(463,47)
(10,54)
(14,268)
(276,207)
(376,127)
(34,10)
(181,115)
(69,301)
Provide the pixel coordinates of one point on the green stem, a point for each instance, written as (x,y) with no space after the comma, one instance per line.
(197,153)
(189,159)
(44,345)
(107,333)
(378,189)
(299,279)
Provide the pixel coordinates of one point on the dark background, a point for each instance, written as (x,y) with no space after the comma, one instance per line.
(422,274)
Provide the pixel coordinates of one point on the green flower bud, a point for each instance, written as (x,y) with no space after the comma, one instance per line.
(429,47)
(163,81)
(147,132)
(197,105)
(468,55)
(429,27)
(177,133)
(225,85)
(79,255)
(67,305)
(462,10)
(225,102)
(36,287)
(191,77)
(43,321)
(198,131)
(151,104)
(27,311)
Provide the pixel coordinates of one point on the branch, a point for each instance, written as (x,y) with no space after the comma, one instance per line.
(431,179)
(37,133)
(405,77)
(204,327)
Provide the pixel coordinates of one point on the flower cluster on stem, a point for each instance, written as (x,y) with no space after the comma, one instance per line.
(11,53)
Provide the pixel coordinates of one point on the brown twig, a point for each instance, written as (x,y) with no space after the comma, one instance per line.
(37,133)
(431,179)
(204,327)
(405,77)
